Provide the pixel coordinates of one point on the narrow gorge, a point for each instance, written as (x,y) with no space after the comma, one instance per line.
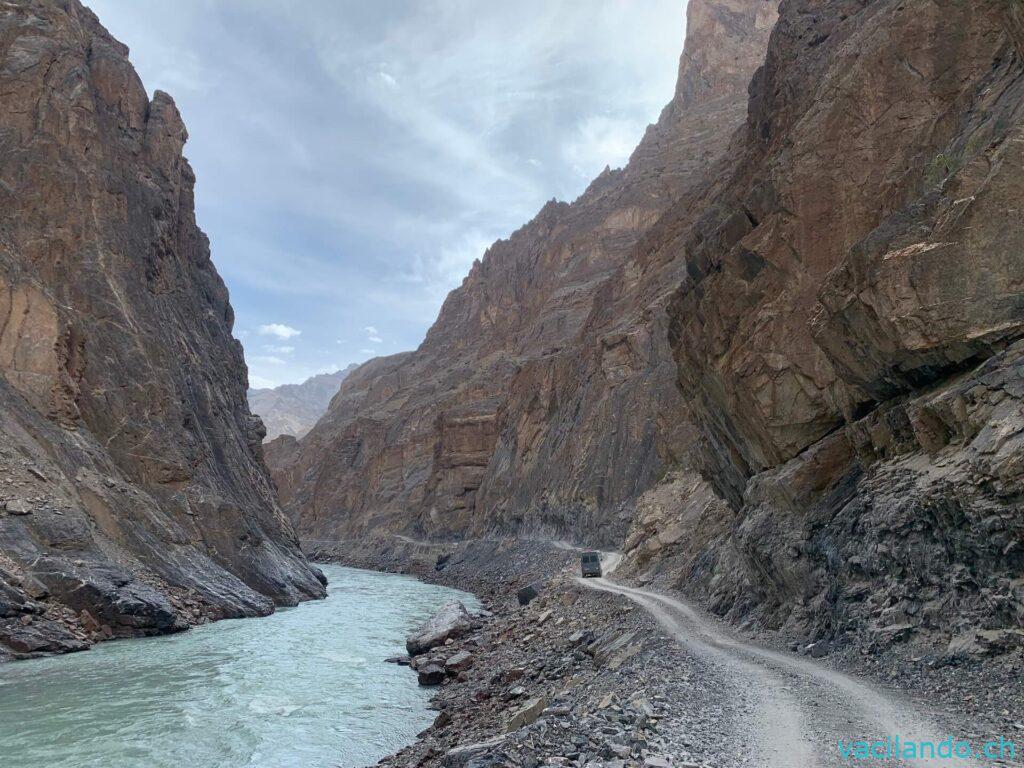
(774,358)
(719,464)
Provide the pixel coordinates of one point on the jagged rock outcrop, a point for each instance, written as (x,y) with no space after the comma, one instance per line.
(543,400)
(293,409)
(134,495)
(848,337)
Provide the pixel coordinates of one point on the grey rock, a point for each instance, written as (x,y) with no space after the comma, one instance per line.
(451,620)
(431,675)
(459,662)
(18,507)
(526,715)
(460,756)
(528,594)
(818,650)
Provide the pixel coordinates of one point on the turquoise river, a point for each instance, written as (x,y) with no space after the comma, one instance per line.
(304,688)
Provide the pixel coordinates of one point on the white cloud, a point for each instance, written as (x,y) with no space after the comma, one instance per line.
(268,360)
(280,330)
(282,350)
(459,122)
(260,382)
(602,141)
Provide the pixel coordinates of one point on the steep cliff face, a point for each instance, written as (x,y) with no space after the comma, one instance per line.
(543,400)
(848,334)
(293,409)
(134,495)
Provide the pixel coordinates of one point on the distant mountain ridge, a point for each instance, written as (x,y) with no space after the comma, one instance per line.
(293,409)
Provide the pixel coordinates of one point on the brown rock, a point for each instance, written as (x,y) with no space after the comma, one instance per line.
(537,395)
(293,409)
(116,354)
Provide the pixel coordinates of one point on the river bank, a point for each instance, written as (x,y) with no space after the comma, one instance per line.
(610,685)
(303,686)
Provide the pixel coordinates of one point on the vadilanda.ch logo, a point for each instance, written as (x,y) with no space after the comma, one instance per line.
(898,748)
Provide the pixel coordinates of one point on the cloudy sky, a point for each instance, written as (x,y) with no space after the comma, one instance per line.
(354,157)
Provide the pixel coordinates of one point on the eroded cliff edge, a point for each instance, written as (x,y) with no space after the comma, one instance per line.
(134,497)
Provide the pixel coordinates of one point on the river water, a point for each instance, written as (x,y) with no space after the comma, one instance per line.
(303,688)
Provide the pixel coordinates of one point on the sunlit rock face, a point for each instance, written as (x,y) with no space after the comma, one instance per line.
(134,498)
(544,398)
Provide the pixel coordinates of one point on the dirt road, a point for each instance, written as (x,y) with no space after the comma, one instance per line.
(796,710)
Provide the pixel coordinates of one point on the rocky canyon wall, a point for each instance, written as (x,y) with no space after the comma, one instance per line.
(848,337)
(543,400)
(134,497)
(778,355)
(293,409)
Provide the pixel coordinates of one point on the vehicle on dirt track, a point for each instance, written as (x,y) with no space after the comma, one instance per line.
(590,564)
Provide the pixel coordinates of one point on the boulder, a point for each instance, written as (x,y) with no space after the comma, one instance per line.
(18,507)
(892,633)
(964,644)
(110,594)
(528,593)
(431,675)
(984,642)
(460,756)
(817,650)
(459,662)
(526,714)
(451,621)
(443,718)
(39,638)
